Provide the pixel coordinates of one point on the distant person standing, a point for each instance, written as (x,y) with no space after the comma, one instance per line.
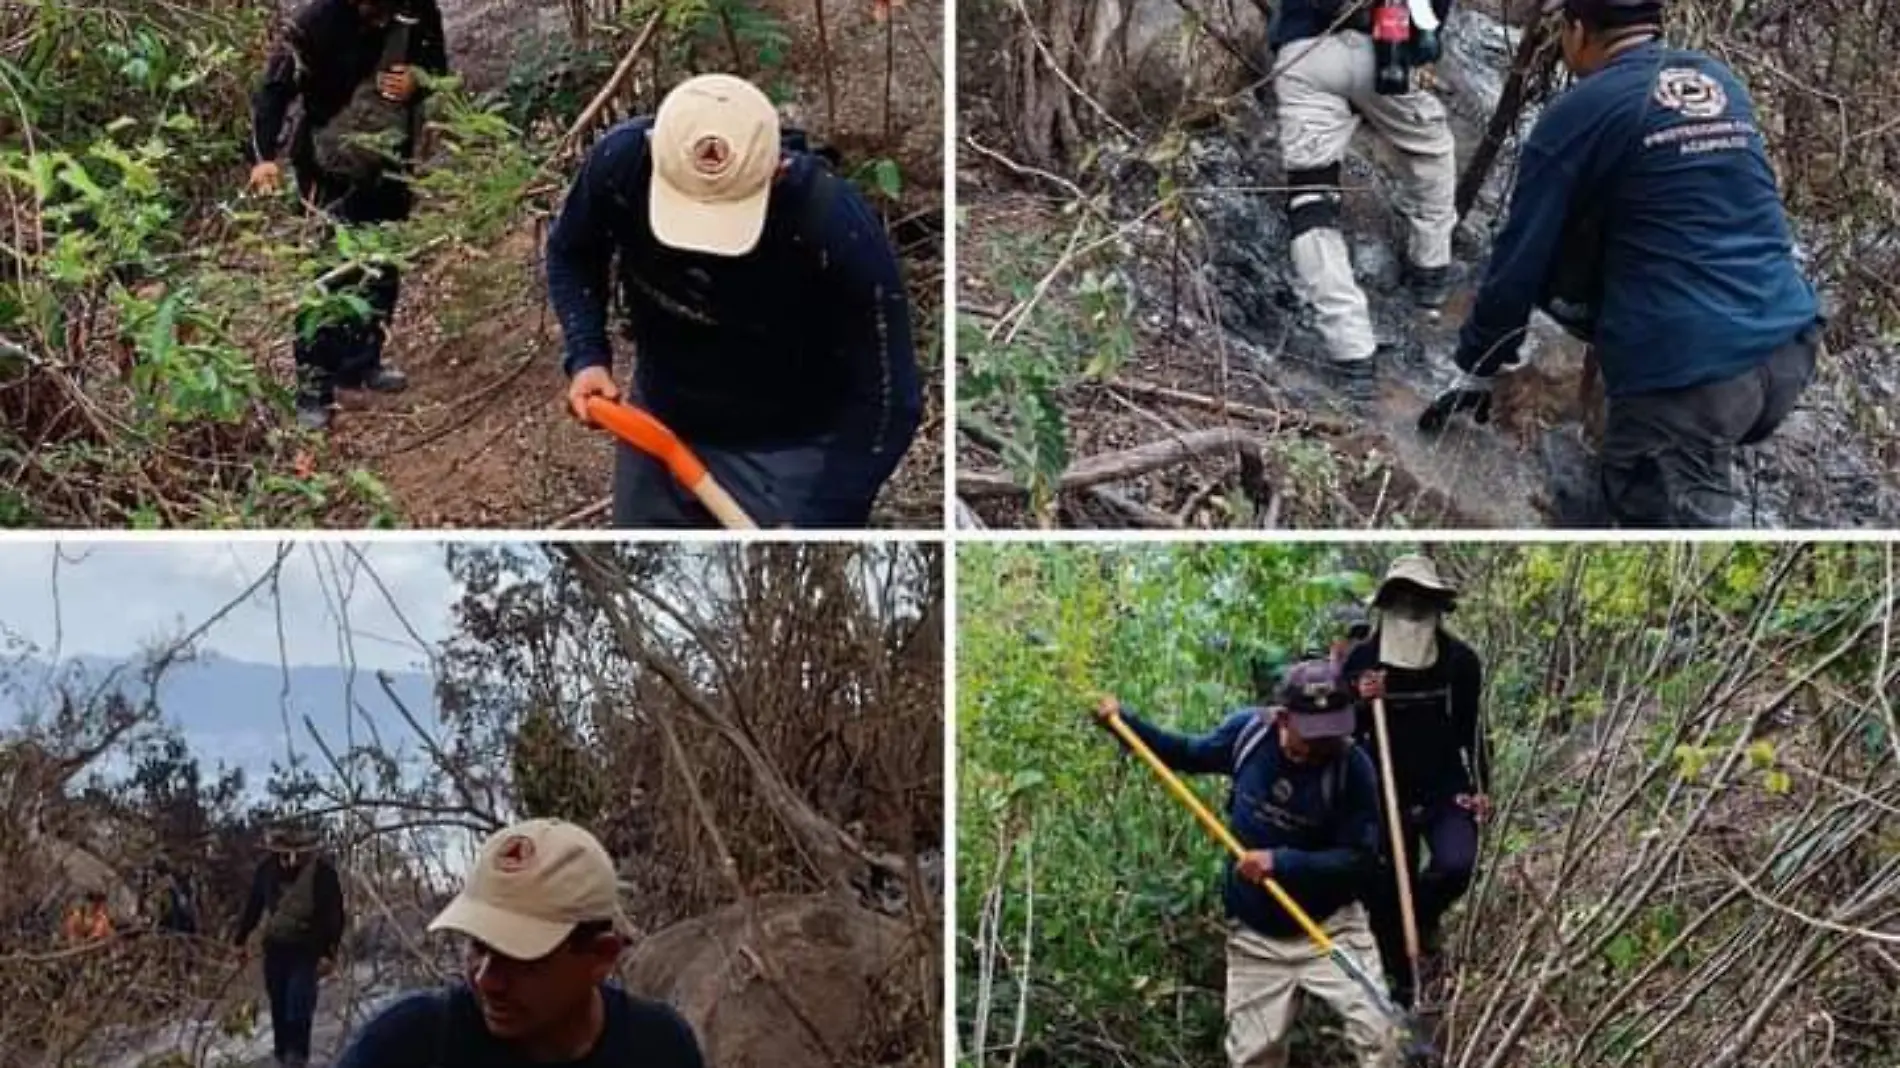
(541,912)
(352,63)
(299,898)
(168,904)
(88,920)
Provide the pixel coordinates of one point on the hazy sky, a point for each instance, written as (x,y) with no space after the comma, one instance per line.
(115,597)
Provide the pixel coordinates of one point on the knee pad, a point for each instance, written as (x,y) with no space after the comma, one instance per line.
(1313,199)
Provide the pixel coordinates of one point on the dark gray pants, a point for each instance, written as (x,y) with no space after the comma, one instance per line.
(823,483)
(1449,834)
(347,355)
(1668,458)
(290,979)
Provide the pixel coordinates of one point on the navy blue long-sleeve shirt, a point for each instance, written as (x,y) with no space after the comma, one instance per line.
(1323,860)
(786,343)
(1699,281)
(444,1028)
(324,53)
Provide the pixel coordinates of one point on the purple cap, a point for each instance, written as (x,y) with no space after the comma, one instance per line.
(1317,700)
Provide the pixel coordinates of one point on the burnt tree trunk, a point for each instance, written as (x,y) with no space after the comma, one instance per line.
(1530,70)
(1039,104)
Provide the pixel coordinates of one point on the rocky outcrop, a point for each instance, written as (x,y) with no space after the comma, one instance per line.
(1154,48)
(784,981)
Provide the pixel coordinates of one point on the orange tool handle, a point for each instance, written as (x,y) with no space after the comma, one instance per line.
(642,431)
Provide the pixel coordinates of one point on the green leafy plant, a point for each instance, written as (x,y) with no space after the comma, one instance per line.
(882,178)
(187,368)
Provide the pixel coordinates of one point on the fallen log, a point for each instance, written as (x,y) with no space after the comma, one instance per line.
(1273,417)
(1116,466)
(1133,510)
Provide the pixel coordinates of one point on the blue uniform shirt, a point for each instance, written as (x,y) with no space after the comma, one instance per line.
(1322,859)
(1698,276)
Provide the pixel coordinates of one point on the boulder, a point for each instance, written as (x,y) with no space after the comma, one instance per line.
(846,971)
(1151,49)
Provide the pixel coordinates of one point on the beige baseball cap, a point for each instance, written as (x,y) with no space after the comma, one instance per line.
(715,148)
(531,885)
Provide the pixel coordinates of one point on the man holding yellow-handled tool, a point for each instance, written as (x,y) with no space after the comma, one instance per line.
(1303,833)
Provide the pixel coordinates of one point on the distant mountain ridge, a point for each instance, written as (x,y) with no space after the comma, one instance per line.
(233,711)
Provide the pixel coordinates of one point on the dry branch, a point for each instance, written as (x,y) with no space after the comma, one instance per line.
(1116,466)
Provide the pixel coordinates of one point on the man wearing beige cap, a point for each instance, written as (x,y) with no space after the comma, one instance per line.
(770,326)
(541,911)
(1441,760)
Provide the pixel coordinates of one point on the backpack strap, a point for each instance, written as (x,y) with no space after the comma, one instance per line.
(819,199)
(1333,784)
(1249,739)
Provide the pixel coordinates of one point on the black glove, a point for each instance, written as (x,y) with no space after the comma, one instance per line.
(1469,394)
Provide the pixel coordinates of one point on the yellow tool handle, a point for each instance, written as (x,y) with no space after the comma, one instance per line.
(1217,829)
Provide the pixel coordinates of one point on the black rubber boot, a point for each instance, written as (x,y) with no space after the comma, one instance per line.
(1358,379)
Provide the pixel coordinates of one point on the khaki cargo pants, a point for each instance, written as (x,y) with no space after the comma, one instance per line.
(1267,976)
(1325,89)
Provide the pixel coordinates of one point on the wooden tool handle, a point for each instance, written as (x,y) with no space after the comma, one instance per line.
(1395,826)
(721,505)
(646,433)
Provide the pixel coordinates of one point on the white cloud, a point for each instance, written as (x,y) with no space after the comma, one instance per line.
(115,597)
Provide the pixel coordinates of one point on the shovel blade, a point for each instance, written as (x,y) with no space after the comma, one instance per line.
(1414,1040)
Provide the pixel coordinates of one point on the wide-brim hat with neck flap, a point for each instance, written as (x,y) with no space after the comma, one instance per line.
(1418,571)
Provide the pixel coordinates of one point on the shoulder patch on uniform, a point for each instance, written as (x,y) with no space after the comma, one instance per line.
(1691,92)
